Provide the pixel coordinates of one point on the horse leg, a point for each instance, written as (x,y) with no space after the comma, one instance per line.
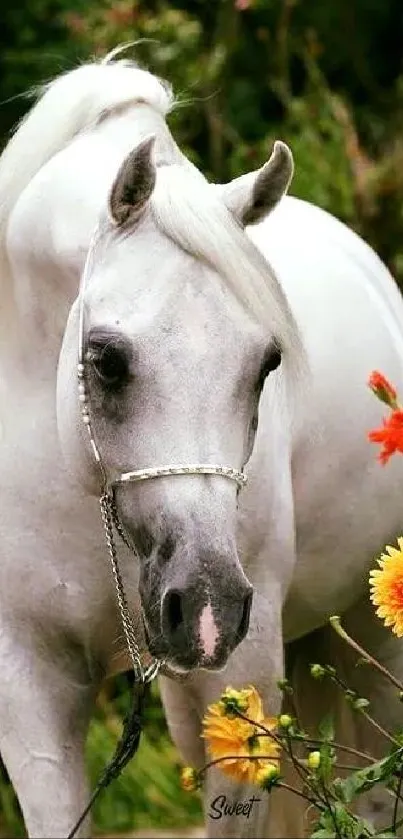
(44,710)
(184,720)
(184,714)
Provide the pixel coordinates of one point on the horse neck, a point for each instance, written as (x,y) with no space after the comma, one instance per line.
(46,278)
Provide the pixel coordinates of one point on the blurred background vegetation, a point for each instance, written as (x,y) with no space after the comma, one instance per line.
(326,77)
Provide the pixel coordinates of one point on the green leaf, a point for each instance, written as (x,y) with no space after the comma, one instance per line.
(324,828)
(348,825)
(362,780)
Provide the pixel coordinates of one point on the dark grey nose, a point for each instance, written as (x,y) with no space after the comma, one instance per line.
(181,612)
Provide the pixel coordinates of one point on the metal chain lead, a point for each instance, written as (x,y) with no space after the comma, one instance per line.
(104,503)
(151,671)
(110,519)
(117,524)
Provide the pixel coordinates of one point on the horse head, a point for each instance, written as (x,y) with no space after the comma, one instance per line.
(183,322)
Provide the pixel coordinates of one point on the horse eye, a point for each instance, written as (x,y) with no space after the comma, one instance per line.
(110,365)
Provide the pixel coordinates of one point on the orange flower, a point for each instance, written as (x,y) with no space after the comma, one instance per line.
(382,388)
(239,740)
(386,583)
(390,435)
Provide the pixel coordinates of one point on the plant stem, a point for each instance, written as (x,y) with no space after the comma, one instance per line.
(379,727)
(336,625)
(294,710)
(338,681)
(348,749)
(298,766)
(296,791)
(302,772)
(262,728)
(312,741)
(331,811)
(218,760)
(347,766)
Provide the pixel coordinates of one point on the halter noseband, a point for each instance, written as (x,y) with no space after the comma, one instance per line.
(107,503)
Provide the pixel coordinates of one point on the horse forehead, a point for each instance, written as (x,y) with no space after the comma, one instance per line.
(202,309)
(191,306)
(187,328)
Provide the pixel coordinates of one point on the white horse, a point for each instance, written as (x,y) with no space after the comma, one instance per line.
(185,322)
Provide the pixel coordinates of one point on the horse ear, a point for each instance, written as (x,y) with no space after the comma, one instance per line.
(134,183)
(251,197)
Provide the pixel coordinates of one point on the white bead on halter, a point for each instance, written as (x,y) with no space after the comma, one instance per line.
(107,503)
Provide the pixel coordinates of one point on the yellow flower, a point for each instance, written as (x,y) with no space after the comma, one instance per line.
(232,737)
(387,588)
(189,779)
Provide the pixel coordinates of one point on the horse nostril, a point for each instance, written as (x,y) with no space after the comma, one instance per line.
(244,623)
(173,610)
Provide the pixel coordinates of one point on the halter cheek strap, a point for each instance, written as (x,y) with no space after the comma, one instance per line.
(108,508)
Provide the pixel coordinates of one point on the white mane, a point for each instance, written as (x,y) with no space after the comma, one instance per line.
(69,105)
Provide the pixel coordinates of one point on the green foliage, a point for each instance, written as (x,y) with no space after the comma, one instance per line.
(341,823)
(148,793)
(364,779)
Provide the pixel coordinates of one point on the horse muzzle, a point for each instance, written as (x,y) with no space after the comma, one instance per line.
(198,624)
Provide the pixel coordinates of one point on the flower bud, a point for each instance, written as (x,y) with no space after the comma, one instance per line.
(383,389)
(268,776)
(313,760)
(189,779)
(360,704)
(233,701)
(284,686)
(285,721)
(317,671)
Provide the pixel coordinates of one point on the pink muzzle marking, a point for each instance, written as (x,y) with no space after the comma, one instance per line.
(208,631)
